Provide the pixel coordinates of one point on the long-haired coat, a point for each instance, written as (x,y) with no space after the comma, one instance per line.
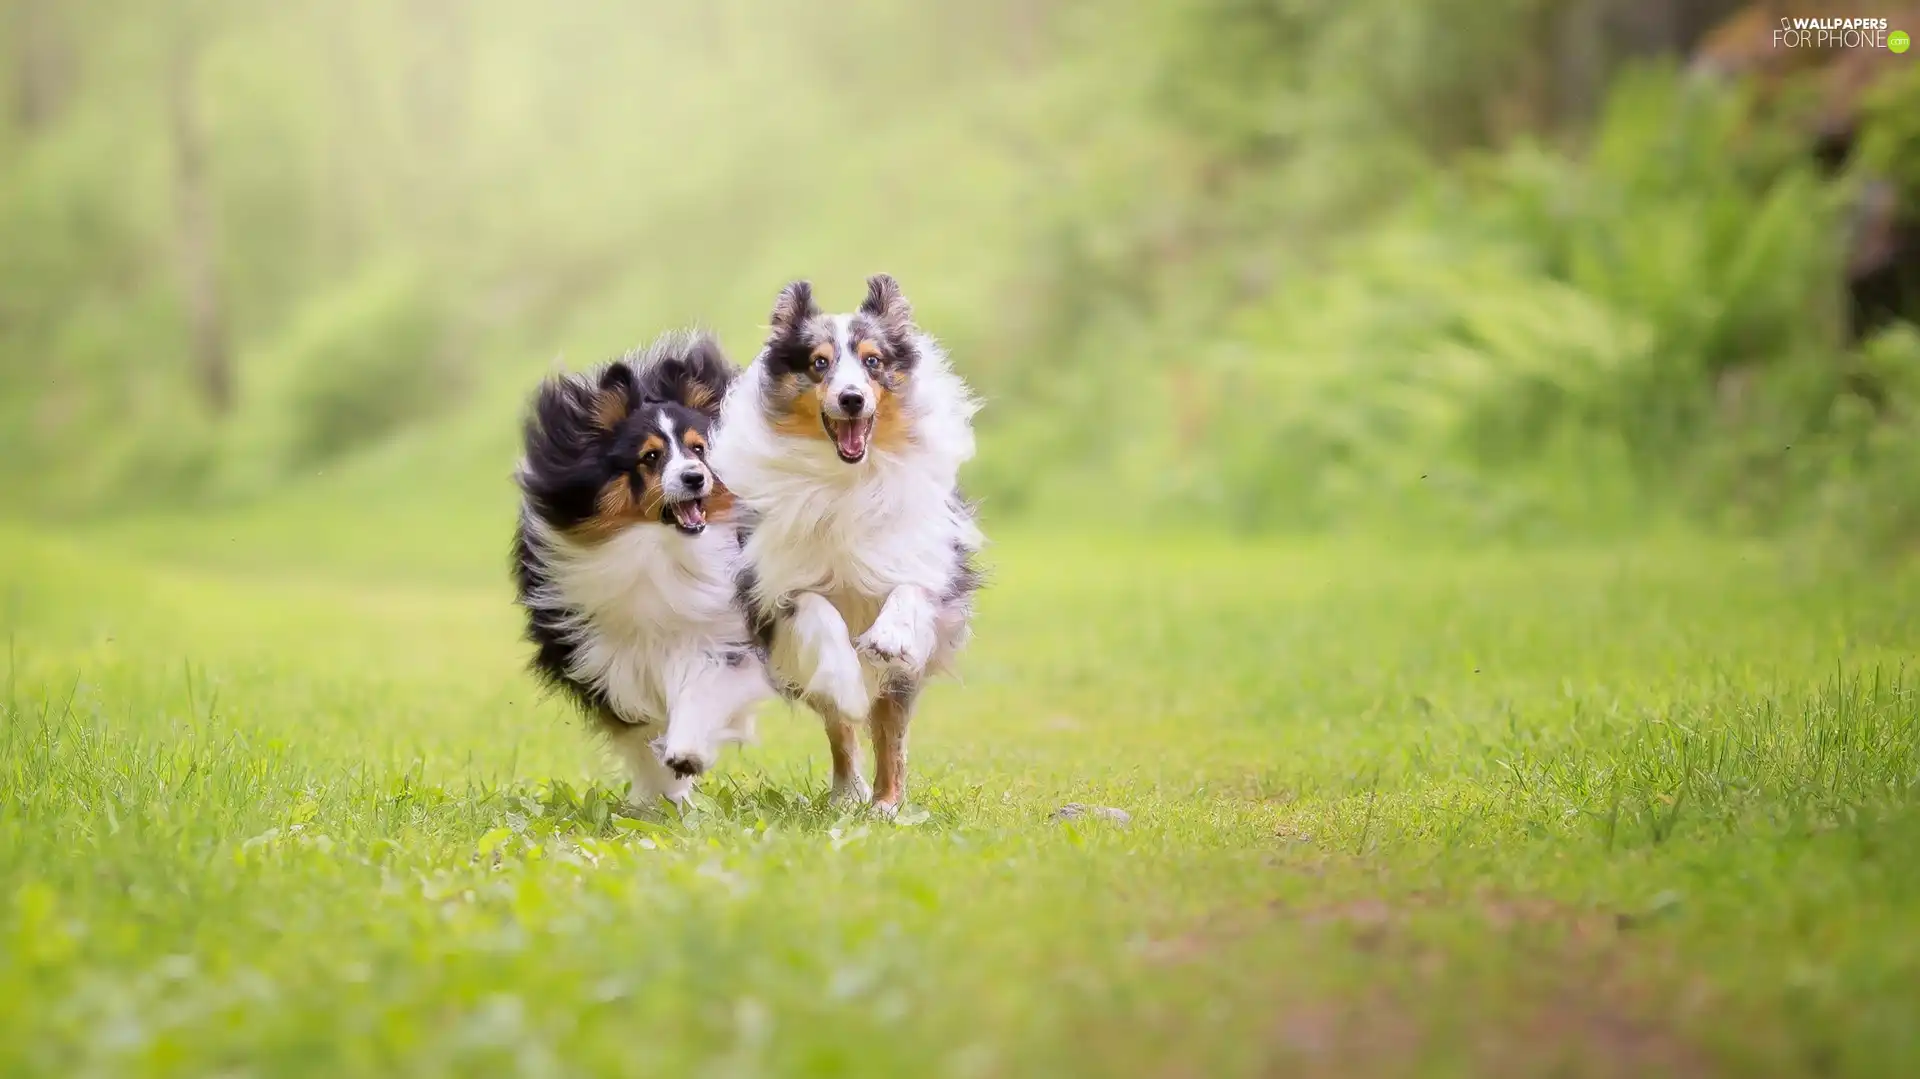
(844,440)
(626,559)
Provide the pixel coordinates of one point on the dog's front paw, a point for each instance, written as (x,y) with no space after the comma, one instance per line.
(685,761)
(848,792)
(898,642)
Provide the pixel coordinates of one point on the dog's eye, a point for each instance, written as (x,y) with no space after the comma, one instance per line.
(819,363)
(650,458)
(873,364)
(700,451)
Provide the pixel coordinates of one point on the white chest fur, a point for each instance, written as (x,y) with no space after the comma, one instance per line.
(856,535)
(649,610)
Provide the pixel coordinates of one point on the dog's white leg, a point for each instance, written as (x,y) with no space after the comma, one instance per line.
(818,642)
(706,713)
(648,779)
(904,633)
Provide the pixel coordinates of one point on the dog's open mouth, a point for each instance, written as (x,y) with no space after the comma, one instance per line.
(690,517)
(849,436)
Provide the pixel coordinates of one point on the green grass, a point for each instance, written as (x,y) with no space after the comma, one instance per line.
(1618,811)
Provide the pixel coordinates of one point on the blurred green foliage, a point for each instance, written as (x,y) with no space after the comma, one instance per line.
(1608,304)
(1261,262)
(1892,146)
(366,363)
(1415,285)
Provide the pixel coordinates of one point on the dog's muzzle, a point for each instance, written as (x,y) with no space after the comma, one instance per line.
(686,507)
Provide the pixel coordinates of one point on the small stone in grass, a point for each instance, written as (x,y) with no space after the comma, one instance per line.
(1075,810)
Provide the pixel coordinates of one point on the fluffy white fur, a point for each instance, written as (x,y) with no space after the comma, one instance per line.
(656,619)
(861,552)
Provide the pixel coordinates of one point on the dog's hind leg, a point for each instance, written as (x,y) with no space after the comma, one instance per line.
(891,715)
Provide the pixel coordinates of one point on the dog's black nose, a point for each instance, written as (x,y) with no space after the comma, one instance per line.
(693,479)
(852,401)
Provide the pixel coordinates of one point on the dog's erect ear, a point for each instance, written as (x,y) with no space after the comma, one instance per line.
(613,397)
(691,372)
(793,307)
(571,415)
(885,302)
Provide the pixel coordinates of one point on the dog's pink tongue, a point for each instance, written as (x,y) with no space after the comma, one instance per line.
(691,514)
(852,436)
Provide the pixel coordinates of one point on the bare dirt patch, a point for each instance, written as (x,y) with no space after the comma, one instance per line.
(1492,985)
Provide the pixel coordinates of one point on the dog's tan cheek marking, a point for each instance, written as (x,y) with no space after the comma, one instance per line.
(617,507)
(891,431)
(614,509)
(653,498)
(802,418)
(615,502)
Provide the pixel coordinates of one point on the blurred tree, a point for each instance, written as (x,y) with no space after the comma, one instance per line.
(43,63)
(1595,37)
(437,78)
(196,230)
